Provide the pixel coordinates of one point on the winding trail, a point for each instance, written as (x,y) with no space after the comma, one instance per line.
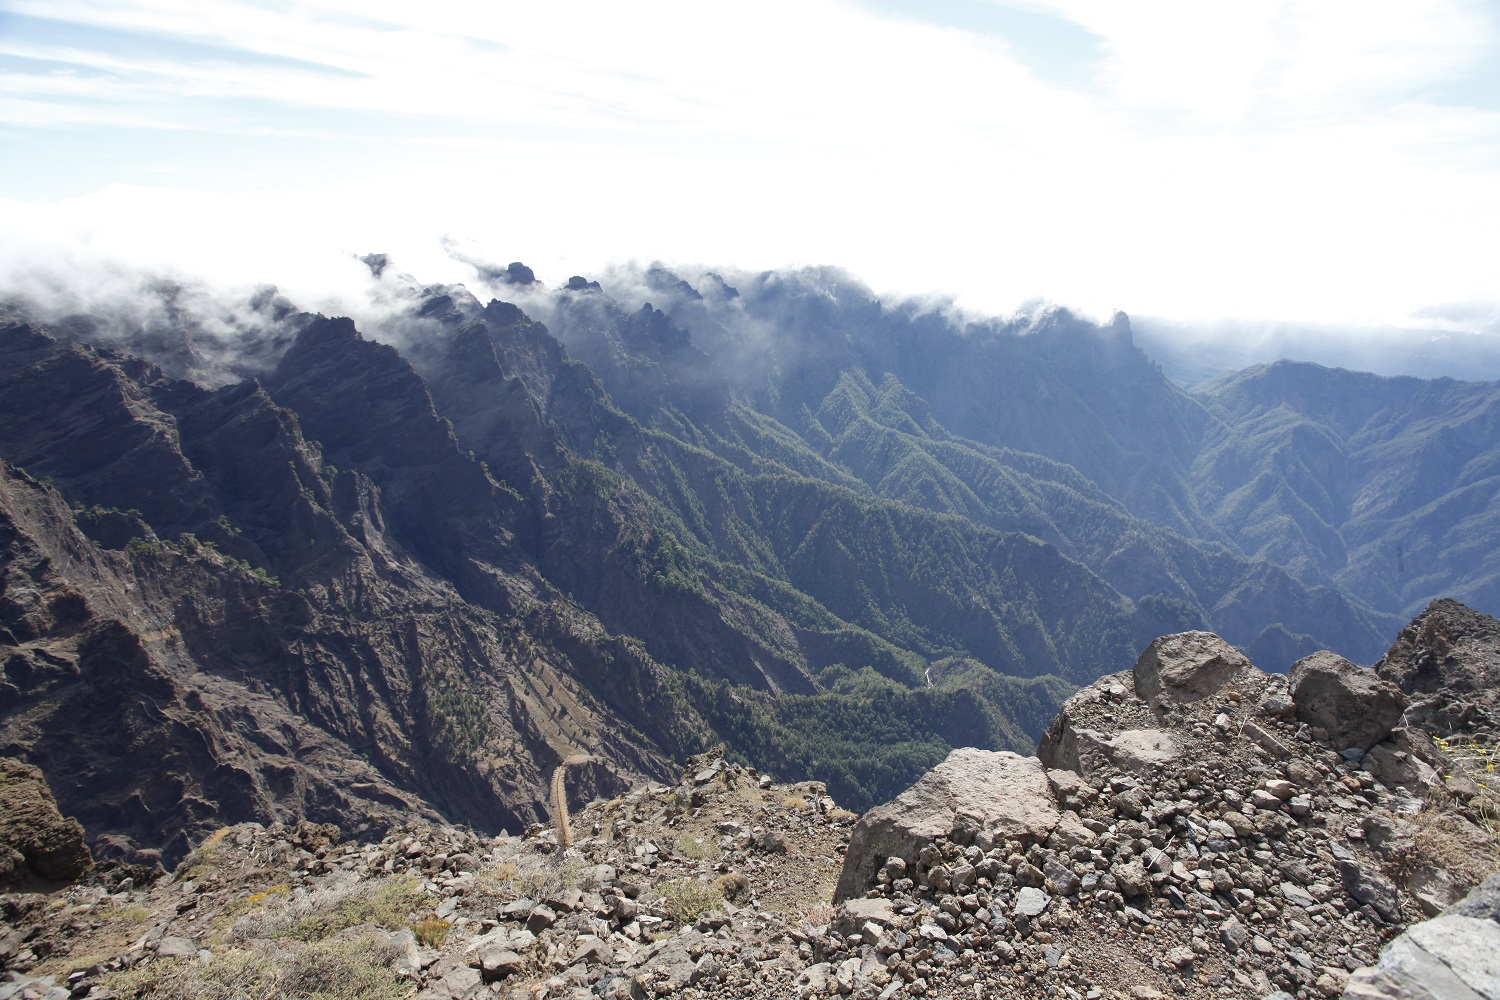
(560,799)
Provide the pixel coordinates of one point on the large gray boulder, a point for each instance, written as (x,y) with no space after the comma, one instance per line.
(1187,666)
(1455,956)
(1355,705)
(983,793)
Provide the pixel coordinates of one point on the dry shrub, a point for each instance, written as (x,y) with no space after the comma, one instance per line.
(1449,841)
(389,903)
(692,847)
(351,967)
(687,899)
(819,914)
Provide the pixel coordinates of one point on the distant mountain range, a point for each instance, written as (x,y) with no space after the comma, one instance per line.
(261,564)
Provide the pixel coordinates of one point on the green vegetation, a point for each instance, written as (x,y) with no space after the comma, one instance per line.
(692,847)
(459,714)
(432,932)
(869,738)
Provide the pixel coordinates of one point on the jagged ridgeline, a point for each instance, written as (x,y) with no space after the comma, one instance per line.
(264,564)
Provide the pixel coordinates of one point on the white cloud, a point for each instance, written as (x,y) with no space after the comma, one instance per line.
(1256,160)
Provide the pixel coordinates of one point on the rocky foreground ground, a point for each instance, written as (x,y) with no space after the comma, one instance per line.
(1194,828)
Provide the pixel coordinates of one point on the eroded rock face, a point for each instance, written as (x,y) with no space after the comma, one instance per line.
(34,836)
(1454,956)
(1187,667)
(1354,705)
(1447,662)
(974,795)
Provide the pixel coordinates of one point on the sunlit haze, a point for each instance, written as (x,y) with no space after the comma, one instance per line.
(1330,162)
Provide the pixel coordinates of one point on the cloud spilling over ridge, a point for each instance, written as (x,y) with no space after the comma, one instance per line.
(217,330)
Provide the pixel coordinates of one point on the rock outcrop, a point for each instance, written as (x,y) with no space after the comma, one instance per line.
(1255,861)
(1454,956)
(1227,828)
(34,837)
(1447,662)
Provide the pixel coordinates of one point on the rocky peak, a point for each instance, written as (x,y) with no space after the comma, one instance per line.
(1447,661)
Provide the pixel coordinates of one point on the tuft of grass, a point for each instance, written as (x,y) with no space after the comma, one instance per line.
(432,932)
(387,904)
(261,897)
(201,859)
(819,914)
(692,847)
(497,879)
(134,914)
(687,899)
(353,967)
(546,879)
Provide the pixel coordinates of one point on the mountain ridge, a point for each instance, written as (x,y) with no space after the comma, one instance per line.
(485,543)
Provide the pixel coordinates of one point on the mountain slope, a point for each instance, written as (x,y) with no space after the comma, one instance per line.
(1388,486)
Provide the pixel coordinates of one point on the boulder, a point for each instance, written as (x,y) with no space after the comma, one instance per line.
(1355,705)
(1186,667)
(34,831)
(1068,747)
(1006,795)
(1447,662)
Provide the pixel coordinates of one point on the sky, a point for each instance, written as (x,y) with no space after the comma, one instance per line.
(1326,161)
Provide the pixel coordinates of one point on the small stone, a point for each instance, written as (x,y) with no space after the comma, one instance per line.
(1296,895)
(1233,934)
(1283,790)
(1180,957)
(541,918)
(1030,902)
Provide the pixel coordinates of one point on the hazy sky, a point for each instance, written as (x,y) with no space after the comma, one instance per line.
(1326,161)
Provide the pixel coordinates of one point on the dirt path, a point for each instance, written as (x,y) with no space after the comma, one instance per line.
(560,799)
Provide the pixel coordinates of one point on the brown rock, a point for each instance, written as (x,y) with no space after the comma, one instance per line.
(31,826)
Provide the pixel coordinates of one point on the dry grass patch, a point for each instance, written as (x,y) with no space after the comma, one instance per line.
(352,967)
(1447,840)
(687,899)
(692,847)
(201,859)
(390,903)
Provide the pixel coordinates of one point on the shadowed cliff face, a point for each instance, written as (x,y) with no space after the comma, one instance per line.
(256,641)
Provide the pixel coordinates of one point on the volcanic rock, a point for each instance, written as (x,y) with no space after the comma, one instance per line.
(34,836)
(1185,667)
(1356,706)
(1006,795)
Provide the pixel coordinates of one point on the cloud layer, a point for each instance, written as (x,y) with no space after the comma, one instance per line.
(1323,161)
